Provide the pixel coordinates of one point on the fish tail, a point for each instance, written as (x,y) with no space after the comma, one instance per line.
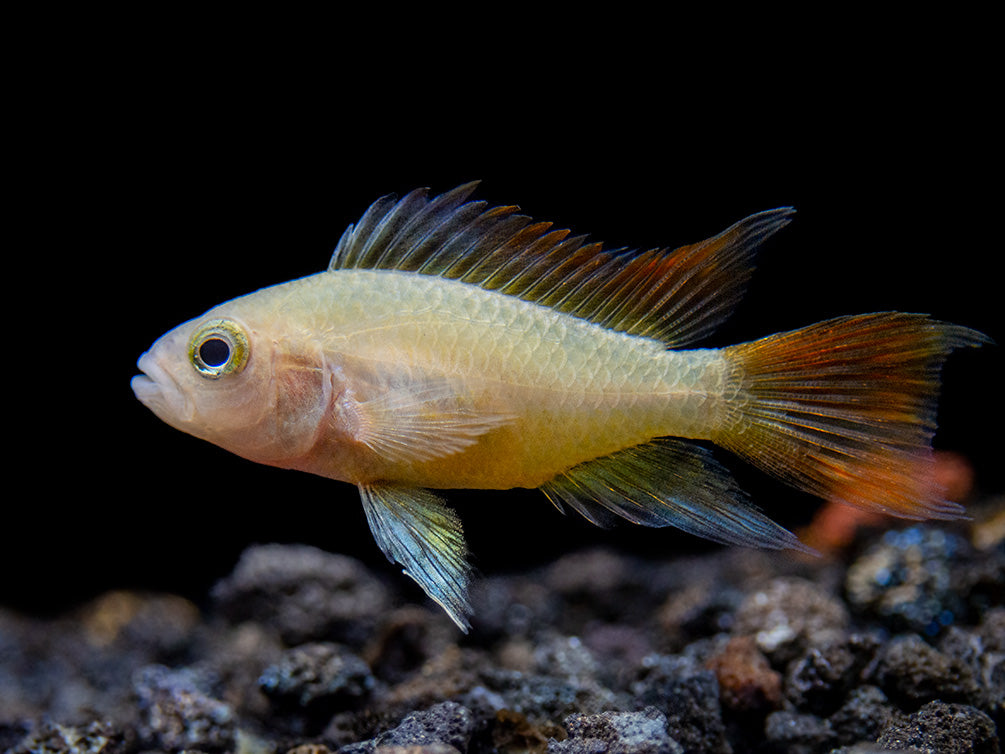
(845,409)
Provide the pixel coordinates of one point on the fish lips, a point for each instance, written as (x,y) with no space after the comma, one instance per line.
(157,390)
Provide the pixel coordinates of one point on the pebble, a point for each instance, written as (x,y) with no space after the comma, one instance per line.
(642,732)
(178,710)
(318,677)
(863,716)
(747,683)
(304,593)
(911,672)
(302,651)
(48,737)
(688,693)
(941,728)
(819,679)
(794,733)
(913,579)
(447,724)
(789,615)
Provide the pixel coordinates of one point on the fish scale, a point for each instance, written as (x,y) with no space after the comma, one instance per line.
(602,387)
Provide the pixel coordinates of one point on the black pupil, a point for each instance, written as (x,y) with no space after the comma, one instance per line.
(214,352)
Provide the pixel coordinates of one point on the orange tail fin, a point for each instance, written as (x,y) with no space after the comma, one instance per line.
(845,409)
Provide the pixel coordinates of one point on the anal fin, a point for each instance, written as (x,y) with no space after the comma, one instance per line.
(668,482)
(415,529)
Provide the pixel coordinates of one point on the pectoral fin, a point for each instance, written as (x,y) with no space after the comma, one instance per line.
(419,422)
(415,529)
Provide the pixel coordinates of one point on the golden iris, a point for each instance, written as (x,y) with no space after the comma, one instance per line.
(219,347)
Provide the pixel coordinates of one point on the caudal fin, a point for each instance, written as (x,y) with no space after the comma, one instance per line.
(845,409)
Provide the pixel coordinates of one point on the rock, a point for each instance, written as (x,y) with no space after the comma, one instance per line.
(912,672)
(564,656)
(52,738)
(992,630)
(304,593)
(689,696)
(237,654)
(788,616)
(794,733)
(913,580)
(698,610)
(309,749)
(78,668)
(735,652)
(863,716)
(433,748)
(746,681)
(818,680)
(317,678)
(447,723)
(982,649)
(544,697)
(513,732)
(617,733)
(449,675)
(596,572)
(407,637)
(940,728)
(159,624)
(178,711)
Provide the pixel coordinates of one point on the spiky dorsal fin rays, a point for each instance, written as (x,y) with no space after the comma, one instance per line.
(676,296)
(668,482)
(415,529)
(679,296)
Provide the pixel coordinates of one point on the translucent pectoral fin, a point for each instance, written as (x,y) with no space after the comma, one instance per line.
(419,422)
(668,482)
(416,530)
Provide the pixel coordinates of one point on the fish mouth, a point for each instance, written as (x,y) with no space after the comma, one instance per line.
(158,391)
(144,388)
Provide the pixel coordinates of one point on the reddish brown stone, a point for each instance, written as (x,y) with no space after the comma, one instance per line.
(746,681)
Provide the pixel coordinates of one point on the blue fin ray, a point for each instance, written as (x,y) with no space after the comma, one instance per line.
(668,482)
(414,528)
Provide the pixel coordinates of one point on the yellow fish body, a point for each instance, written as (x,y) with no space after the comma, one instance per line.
(453,345)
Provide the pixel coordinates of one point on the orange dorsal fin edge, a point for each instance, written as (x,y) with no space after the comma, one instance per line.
(677,296)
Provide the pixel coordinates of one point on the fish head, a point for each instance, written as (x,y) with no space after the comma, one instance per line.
(214,377)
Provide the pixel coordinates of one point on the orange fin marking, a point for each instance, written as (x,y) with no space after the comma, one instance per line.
(845,409)
(674,296)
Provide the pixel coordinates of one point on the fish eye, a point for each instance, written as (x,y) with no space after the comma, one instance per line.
(214,352)
(218,348)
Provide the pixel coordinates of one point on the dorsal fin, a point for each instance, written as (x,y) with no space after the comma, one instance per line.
(675,296)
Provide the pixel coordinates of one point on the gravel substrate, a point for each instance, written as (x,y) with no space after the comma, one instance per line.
(899,646)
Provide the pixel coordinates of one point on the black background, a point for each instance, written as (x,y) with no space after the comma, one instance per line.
(149,192)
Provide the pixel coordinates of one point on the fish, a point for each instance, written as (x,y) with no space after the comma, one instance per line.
(451,344)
